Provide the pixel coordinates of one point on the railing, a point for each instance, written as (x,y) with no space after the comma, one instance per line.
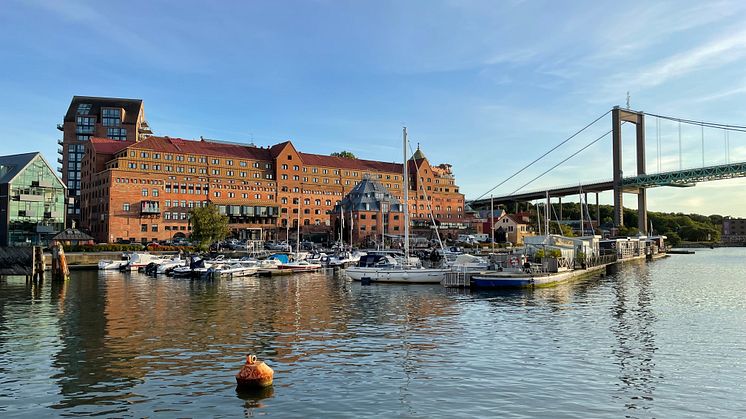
(591,261)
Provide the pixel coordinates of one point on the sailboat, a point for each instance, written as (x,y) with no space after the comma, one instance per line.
(386,268)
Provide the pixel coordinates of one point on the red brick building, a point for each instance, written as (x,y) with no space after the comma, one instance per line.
(87,117)
(144,190)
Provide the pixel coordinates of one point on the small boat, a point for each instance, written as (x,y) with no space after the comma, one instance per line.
(108,264)
(300,266)
(139,261)
(235,270)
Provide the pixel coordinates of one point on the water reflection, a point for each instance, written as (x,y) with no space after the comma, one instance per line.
(129,345)
(633,329)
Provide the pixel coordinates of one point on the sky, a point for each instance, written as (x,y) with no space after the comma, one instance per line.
(487,86)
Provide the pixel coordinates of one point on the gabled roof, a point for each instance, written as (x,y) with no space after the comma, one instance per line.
(203,147)
(108,146)
(72,234)
(131,107)
(12,165)
(345,163)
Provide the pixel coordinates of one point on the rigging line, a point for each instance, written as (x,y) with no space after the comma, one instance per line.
(424,193)
(691,121)
(566,159)
(543,155)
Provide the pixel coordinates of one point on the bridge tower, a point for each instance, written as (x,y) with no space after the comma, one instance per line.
(619,115)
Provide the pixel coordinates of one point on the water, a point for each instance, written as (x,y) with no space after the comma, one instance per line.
(659,339)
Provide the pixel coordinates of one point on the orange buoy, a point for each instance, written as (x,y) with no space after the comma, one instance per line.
(254,374)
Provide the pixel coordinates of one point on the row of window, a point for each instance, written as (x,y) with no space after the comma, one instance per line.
(198,159)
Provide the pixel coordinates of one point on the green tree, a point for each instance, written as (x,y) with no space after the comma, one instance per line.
(344,154)
(208,226)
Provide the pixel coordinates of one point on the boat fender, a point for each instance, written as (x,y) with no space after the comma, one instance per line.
(254,374)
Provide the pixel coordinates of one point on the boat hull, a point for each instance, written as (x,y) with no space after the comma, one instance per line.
(400,276)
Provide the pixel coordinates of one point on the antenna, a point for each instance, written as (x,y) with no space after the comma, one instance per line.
(627,99)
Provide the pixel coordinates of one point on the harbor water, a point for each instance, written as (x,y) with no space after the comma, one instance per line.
(665,338)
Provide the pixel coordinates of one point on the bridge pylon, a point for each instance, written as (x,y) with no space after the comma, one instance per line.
(619,115)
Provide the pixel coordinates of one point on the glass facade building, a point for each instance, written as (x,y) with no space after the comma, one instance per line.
(32,198)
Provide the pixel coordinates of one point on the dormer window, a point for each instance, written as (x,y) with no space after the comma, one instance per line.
(84,109)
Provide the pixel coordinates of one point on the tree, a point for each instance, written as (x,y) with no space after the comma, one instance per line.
(344,154)
(208,226)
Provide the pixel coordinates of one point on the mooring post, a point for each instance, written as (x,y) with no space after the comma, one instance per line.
(60,271)
(37,269)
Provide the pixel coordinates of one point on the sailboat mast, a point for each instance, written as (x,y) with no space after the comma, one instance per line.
(405,175)
(297,239)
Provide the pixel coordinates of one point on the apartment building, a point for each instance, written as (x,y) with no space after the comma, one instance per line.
(87,117)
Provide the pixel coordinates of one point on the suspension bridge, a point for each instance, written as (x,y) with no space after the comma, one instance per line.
(620,184)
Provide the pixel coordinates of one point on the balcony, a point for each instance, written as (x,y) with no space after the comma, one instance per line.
(59,160)
(150,208)
(60,127)
(59,150)
(60,142)
(59,169)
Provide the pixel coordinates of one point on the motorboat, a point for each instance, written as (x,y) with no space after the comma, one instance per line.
(300,266)
(139,261)
(108,264)
(234,270)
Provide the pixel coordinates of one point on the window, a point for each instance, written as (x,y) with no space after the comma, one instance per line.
(296,168)
(144,192)
(154,228)
(119,134)
(144,228)
(126,207)
(84,109)
(111,117)
(85,124)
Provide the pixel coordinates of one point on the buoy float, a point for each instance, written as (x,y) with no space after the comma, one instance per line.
(254,374)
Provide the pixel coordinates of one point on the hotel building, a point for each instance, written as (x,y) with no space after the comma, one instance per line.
(144,190)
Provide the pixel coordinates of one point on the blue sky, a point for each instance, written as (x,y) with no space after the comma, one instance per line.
(486,86)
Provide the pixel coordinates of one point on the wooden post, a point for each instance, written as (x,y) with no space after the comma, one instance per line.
(37,270)
(60,271)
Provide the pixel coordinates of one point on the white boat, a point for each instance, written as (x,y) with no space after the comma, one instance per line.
(469,263)
(108,264)
(139,261)
(300,266)
(168,265)
(385,268)
(235,270)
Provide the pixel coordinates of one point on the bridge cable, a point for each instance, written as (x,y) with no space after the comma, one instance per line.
(543,155)
(732,127)
(563,161)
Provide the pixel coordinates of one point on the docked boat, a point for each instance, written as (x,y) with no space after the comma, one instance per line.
(139,261)
(300,266)
(386,268)
(109,264)
(235,270)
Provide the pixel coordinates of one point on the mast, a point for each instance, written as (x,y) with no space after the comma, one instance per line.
(546,211)
(383,225)
(297,239)
(342,229)
(580,197)
(406,197)
(492,221)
